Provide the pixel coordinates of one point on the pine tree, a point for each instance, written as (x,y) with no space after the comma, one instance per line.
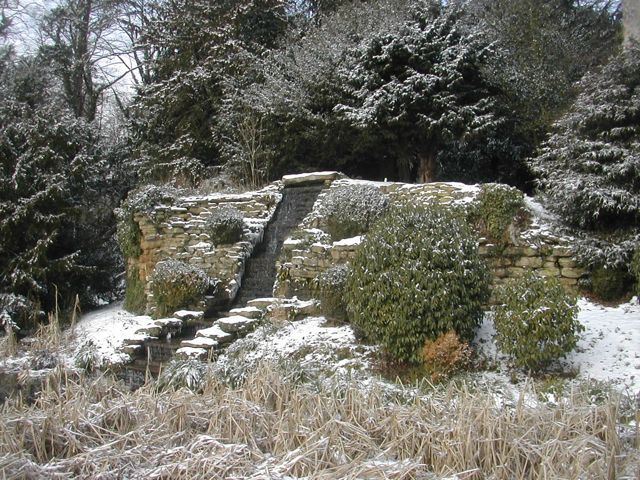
(198,44)
(422,90)
(589,168)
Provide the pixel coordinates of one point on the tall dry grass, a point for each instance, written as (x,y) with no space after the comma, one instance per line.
(272,427)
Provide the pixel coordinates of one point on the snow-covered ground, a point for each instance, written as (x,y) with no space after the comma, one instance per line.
(107,328)
(609,349)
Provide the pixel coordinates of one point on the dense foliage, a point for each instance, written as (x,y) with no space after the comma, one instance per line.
(225,225)
(176,285)
(536,321)
(331,284)
(352,209)
(588,168)
(497,210)
(416,276)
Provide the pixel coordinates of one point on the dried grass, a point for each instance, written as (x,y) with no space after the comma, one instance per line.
(272,427)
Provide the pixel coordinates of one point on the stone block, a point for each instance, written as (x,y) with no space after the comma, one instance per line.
(529,262)
(573,273)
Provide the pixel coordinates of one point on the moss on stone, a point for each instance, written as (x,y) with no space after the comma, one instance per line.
(499,207)
(135,299)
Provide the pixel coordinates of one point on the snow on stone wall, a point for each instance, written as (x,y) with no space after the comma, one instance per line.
(178,232)
(310,252)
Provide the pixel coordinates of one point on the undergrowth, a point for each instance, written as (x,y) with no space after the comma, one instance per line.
(273,426)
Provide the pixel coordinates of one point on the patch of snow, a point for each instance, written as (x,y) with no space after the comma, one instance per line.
(609,348)
(348,242)
(108,328)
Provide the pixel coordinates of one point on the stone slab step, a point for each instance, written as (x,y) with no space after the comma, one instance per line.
(200,342)
(191,352)
(235,324)
(248,312)
(215,333)
(189,315)
(261,302)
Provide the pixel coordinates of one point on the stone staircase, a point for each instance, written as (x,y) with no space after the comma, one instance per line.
(189,335)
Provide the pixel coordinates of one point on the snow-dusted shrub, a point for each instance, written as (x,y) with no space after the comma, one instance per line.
(86,358)
(416,276)
(499,206)
(331,285)
(351,210)
(609,283)
(141,200)
(176,285)
(536,321)
(445,356)
(178,374)
(17,311)
(225,225)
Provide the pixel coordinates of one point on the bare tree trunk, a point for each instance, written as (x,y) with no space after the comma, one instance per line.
(426,167)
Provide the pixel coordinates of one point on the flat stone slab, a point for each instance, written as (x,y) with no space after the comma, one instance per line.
(185,315)
(150,331)
(262,302)
(235,323)
(190,352)
(215,333)
(200,342)
(248,312)
(168,322)
(310,178)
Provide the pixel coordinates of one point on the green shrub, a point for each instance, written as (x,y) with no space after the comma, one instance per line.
(536,321)
(498,207)
(351,210)
(609,283)
(141,200)
(331,284)
(225,225)
(635,269)
(416,276)
(190,374)
(177,285)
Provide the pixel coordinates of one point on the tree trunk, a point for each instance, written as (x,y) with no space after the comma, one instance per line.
(426,167)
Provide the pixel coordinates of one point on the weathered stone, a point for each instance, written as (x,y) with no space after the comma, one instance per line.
(310,178)
(571,273)
(200,342)
(261,303)
(529,262)
(248,312)
(191,352)
(189,315)
(215,333)
(235,323)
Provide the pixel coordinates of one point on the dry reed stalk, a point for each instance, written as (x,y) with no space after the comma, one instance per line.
(271,427)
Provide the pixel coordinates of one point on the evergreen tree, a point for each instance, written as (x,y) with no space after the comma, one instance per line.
(198,43)
(589,168)
(55,203)
(422,91)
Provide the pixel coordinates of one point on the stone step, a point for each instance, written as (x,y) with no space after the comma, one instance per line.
(248,312)
(236,324)
(216,333)
(200,342)
(261,303)
(192,352)
(189,315)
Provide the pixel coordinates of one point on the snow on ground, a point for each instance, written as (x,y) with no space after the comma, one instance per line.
(107,328)
(609,348)
(311,344)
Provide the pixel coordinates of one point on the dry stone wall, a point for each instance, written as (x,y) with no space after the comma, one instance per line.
(178,231)
(310,251)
